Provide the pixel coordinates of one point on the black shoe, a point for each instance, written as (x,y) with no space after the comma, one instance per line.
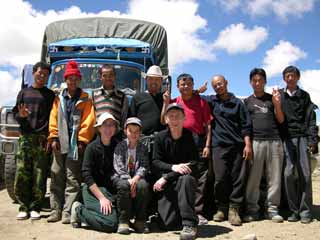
(306,220)
(293,217)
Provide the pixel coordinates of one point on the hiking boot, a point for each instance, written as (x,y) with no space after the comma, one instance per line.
(22,215)
(251,217)
(202,220)
(123,228)
(219,216)
(293,217)
(34,215)
(55,216)
(139,227)
(65,218)
(74,219)
(274,217)
(188,233)
(233,217)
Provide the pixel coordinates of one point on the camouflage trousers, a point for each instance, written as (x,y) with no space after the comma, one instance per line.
(32,170)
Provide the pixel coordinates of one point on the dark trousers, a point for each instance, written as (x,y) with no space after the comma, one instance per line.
(31,173)
(297,176)
(176,203)
(230,175)
(132,207)
(201,193)
(90,212)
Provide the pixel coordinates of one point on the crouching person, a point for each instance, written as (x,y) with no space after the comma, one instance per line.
(175,160)
(131,164)
(98,210)
(70,130)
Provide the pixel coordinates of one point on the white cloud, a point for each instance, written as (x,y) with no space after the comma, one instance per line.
(22,27)
(280,56)
(236,38)
(10,84)
(308,81)
(283,9)
(182,23)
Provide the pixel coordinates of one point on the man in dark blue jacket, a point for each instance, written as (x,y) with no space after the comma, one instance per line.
(231,148)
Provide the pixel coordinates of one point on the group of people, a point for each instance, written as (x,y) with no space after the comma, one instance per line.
(115,163)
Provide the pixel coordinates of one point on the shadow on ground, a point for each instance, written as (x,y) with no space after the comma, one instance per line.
(210,231)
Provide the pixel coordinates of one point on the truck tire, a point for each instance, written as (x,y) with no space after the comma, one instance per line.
(9,174)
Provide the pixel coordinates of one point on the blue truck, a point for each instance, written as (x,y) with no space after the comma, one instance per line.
(132,46)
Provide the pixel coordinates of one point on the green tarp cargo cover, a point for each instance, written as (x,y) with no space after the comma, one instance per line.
(151,33)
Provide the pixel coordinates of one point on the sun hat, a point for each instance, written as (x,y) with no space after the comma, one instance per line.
(154,71)
(103,117)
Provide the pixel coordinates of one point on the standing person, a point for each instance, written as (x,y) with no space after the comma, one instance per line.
(98,210)
(175,159)
(198,121)
(301,140)
(131,163)
(231,149)
(109,99)
(147,105)
(70,130)
(32,112)
(266,114)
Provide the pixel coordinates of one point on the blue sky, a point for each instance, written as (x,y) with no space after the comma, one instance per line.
(207,37)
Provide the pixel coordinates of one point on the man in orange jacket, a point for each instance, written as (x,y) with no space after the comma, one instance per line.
(71,128)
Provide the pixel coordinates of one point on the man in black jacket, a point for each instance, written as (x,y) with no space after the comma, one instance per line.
(301,139)
(175,160)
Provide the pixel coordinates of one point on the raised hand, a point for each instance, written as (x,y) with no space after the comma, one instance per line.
(166,97)
(203,88)
(276,97)
(23,110)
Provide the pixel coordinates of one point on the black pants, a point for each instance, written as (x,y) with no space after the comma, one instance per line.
(230,175)
(202,193)
(132,207)
(297,176)
(176,203)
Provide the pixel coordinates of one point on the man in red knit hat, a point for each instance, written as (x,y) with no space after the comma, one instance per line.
(71,128)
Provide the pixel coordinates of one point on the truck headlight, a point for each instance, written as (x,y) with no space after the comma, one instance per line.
(7,147)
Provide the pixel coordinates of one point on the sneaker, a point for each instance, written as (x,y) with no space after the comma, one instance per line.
(233,217)
(123,228)
(34,215)
(275,217)
(306,220)
(188,233)
(251,217)
(22,215)
(74,219)
(65,218)
(202,220)
(293,217)
(55,216)
(219,216)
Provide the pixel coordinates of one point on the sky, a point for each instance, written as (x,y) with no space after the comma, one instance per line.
(205,38)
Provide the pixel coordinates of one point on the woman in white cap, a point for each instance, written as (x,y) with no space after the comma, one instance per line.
(98,211)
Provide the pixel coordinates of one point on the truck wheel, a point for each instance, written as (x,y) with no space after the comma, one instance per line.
(9,174)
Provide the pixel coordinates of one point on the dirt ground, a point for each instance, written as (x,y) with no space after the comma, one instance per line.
(11,229)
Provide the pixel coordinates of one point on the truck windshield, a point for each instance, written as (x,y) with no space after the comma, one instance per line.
(127,78)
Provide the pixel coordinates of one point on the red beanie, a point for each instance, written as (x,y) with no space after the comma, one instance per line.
(72,69)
